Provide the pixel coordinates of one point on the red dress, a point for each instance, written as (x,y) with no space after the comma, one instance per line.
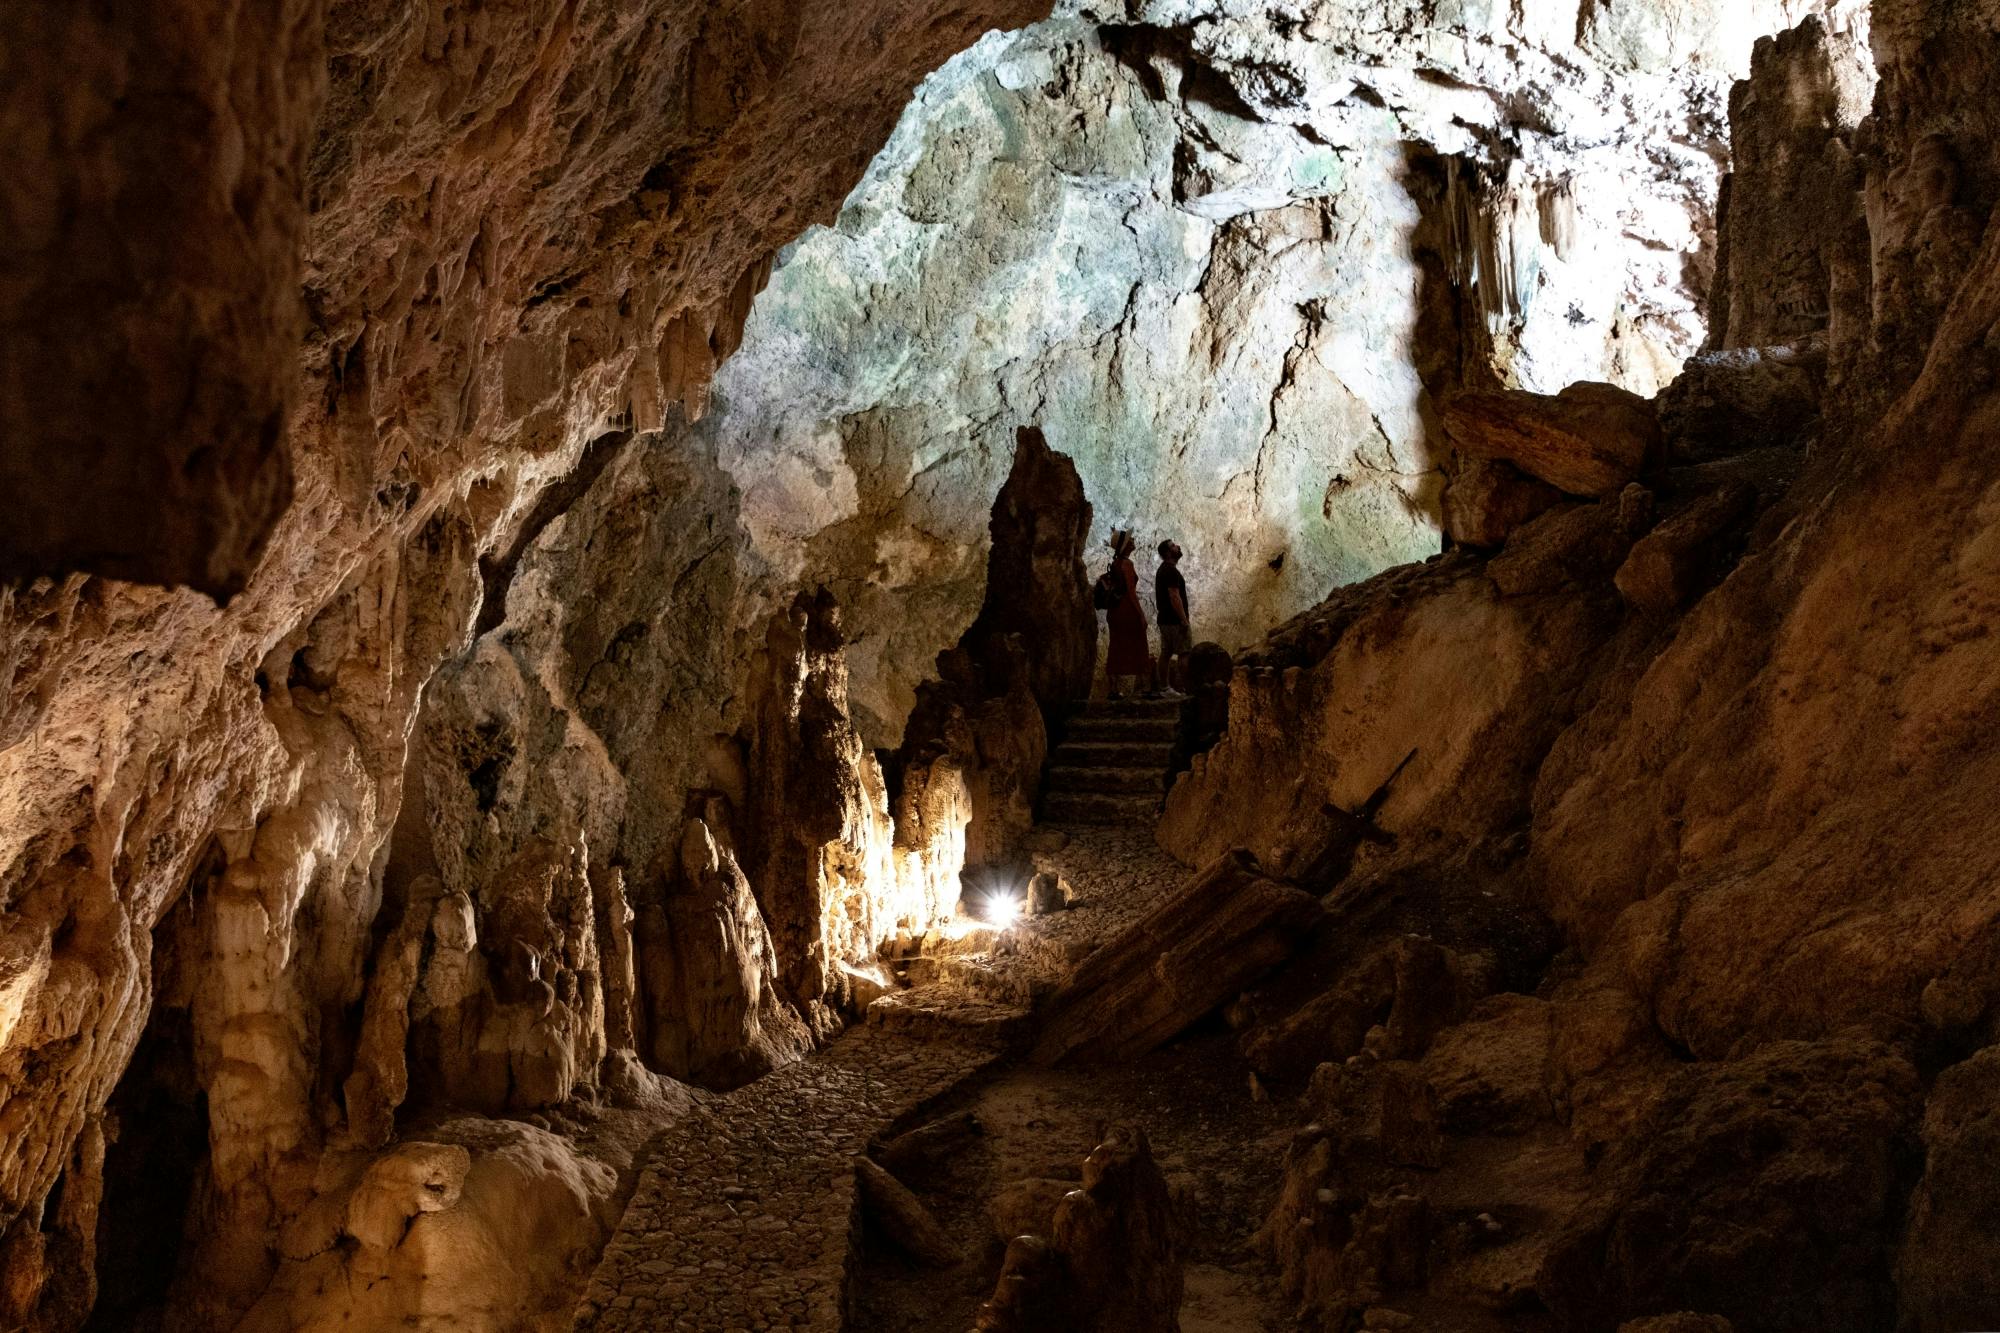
(1129,654)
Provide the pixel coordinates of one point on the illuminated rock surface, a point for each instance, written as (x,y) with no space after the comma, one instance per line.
(564,774)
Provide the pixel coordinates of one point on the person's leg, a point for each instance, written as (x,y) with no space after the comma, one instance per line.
(1174,648)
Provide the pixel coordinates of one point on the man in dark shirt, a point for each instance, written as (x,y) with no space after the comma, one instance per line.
(1176,633)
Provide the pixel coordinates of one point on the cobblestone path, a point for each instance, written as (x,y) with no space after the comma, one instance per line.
(743,1217)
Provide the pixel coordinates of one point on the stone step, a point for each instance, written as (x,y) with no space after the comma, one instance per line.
(1078,807)
(949,1015)
(1113,754)
(1108,779)
(1131,708)
(1124,729)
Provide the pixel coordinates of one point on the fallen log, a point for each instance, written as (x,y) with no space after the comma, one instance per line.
(1230,924)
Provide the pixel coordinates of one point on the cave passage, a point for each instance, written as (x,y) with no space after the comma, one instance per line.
(564,768)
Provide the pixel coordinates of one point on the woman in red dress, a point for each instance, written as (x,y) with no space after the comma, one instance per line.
(1129,657)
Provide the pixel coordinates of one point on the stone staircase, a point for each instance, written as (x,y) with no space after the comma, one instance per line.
(1112,765)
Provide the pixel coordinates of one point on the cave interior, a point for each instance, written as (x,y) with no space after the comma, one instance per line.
(565,762)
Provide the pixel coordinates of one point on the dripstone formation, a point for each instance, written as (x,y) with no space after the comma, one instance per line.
(545,549)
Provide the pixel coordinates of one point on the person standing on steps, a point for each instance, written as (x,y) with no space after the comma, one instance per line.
(1176,630)
(1118,592)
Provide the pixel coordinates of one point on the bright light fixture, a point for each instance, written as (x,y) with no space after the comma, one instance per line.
(1001,908)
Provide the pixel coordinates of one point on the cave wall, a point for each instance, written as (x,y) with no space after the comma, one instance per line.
(1230,260)
(429,254)
(449,273)
(1758,811)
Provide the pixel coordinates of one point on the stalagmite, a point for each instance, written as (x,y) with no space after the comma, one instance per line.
(549,774)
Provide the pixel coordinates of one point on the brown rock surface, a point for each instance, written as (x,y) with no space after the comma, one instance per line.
(1762,1189)
(1668,565)
(502,263)
(1590,439)
(1112,1262)
(1388,667)
(248,884)
(1491,1071)
(1036,585)
(1487,499)
(818,831)
(711,974)
(1947,1275)
(1791,204)
(1760,819)
(1574,545)
(903,1217)
(981,725)
(152,317)
(1227,926)
(1745,398)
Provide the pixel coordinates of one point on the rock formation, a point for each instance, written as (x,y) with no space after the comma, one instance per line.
(434,727)
(1110,1261)
(1233,262)
(401,265)
(1160,976)
(1742,794)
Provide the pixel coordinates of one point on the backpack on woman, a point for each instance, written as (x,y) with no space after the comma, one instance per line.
(1108,591)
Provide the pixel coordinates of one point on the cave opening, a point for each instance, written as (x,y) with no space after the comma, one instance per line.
(565,763)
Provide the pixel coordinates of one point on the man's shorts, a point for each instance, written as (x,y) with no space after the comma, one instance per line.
(1175,641)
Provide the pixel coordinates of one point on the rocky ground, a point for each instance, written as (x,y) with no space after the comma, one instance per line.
(1221,1148)
(744,1211)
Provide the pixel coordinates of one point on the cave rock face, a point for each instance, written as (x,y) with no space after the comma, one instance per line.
(1232,265)
(409,264)
(389,322)
(1731,730)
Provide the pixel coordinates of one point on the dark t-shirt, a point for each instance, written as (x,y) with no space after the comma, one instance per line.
(1166,582)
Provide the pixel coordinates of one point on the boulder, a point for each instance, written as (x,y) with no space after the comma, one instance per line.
(1226,927)
(1490,1073)
(1746,398)
(1590,439)
(931,1145)
(1330,1026)
(411,1179)
(1049,892)
(1577,544)
(902,1217)
(1670,564)
(1487,499)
